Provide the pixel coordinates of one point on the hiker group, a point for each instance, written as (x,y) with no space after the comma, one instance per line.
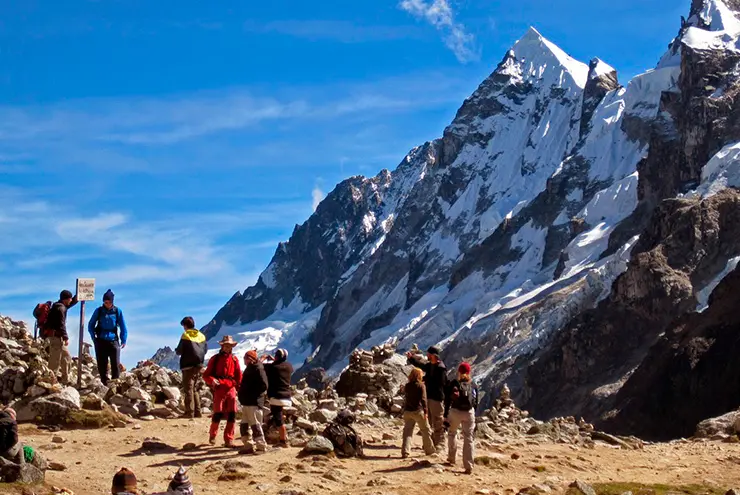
(107,329)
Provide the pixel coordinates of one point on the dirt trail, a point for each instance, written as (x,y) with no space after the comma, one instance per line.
(93,456)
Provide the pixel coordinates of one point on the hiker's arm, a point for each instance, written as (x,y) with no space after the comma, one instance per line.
(178,349)
(208,373)
(263,380)
(92,323)
(124,330)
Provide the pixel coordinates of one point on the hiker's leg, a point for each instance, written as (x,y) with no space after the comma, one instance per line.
(218,399)
(244,428)
(468,430)
(277,419)
(194,382)
(187,390)
(436,422)
(55,354)
(230,413)
(66,362)
(409,420)
(115,359)
(102,356)
(454,420)
(426,435)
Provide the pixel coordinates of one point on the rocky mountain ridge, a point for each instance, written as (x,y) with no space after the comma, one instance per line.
(556,207)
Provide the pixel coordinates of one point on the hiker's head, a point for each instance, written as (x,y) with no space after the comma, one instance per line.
(415,375)
(188,323)
(227,344)
(65,297)
(433,354)
(251,357)
(281,355)
(463,371)
(124,481)
(108,299)
(10,412)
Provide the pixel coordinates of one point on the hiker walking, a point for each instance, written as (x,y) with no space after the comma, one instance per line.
(460,405)
(279,372)
(435,379)
(192,350)
(252,398)
(224,375)
(104,326)
(55,332)
(415,413)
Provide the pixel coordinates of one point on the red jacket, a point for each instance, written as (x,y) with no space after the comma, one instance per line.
(225,368)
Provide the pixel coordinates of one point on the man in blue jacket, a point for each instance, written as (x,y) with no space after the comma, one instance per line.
(104,329)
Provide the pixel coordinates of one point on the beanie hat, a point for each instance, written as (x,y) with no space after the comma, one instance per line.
(252,355)
(464,368)
(281,355)
(181,483)
(124,481)
(108,296)
(433,350)
(65,294)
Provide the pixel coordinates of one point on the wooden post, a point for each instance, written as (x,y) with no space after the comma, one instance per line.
(82,341)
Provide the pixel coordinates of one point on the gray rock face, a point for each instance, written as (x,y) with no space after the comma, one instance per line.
(318,445)
(51,409)
(166,358)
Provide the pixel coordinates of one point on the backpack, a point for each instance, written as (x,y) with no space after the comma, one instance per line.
(41,313)
(464,396)
(8,431)
(101,313)
(347,442)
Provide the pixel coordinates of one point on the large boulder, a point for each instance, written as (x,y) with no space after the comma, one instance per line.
(52,409)
(318,445)
(727,424)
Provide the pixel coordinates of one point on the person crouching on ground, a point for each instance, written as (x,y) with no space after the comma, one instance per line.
(279,372)
(223,374)
(104,325)
(192,350)
(460,404)
(252,399)
(415,413)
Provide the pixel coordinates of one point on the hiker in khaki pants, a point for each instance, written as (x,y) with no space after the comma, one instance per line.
(460,406)
(415,413)
(435,381)
(55,332)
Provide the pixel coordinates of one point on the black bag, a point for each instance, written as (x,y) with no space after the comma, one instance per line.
(346,441)
(8,431)
(464,396)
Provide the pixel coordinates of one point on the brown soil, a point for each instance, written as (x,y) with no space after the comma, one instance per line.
(93,456)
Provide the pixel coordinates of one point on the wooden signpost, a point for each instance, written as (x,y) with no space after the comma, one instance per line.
(85,292)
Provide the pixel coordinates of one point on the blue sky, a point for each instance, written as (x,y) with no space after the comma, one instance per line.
(165,147)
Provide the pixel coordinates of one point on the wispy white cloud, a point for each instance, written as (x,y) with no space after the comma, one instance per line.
(317,195)
(439,14)
(336,30)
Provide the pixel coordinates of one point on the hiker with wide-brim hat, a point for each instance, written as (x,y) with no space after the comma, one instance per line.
(223,374)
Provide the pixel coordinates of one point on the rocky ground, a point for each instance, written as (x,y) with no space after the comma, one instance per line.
(507,465)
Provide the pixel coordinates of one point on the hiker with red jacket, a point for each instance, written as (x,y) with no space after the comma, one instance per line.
(55,332)
(224,375)
(461,401)
(279,372)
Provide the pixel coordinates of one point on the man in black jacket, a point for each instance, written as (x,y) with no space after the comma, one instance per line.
(252,398)
(55,331)
(435,379)
(192,351)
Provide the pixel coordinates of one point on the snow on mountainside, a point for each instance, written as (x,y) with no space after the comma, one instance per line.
(520,218)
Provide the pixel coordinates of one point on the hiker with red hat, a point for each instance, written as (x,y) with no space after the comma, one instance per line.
(223,374)
(252,398)
(461,401)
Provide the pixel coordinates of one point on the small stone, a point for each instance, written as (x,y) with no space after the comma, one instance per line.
(516,456)
(286,479)
(189,446)
(318,445)
(483,491)
(333,475)
(237,466)
(58,439)
(148,417)
(263,487)
(377,482)
(582,488)
(388,436)
(57,466)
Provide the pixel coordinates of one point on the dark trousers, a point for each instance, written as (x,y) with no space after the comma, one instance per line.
(108,350)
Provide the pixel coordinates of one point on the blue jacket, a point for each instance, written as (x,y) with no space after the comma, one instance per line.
(110,321)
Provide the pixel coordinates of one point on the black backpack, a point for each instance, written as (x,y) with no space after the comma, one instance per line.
(464,396)
(346,441)
(8,431)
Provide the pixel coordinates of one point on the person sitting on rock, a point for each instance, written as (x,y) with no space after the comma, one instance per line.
(223,374)
(55,331)
(10,448)
(279,372)
(415,413)
(124,483)
(252,399)
(192,350)
(435,380)
(460,405)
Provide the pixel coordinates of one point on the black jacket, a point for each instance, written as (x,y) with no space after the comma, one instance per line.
(254,385)
(435,378)
(191,349)
(416,397)
(455,401)
(56,322)
(278,379)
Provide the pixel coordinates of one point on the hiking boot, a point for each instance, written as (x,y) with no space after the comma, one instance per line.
(229,444)
(212,440)
(282,444)
(197,414)
(468,471)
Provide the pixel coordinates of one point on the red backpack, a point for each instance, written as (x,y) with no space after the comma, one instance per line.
(41,313)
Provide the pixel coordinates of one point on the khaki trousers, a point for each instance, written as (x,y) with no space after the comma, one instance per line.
(410,420)
(437,421)
(190,394)
(466,419)
(59,356)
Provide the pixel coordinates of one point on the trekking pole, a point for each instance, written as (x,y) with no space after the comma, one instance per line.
(35,330)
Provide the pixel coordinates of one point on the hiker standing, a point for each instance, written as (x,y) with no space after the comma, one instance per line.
(435,379)
(55,332)
(460,406)
(279,372)
(252,399)
(415,413)
(103,328)
(192,350)
(224,375)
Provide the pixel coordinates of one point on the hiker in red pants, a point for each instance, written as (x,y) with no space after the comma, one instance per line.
(223,374)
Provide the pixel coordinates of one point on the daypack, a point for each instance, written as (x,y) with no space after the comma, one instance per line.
(101,313)
(347,442)
(8,432)
(41,313)
(464,396)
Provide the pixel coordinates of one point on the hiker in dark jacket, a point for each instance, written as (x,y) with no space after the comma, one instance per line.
(252,399)
(279,372)
(460,405)
(435,379)
(415,413)
(104,326)
(55,331)
(192,350)
(10,447)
